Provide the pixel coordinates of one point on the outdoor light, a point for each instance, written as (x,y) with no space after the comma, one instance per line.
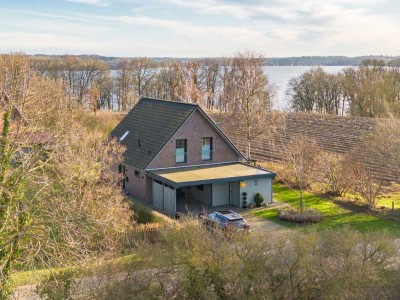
(242,184)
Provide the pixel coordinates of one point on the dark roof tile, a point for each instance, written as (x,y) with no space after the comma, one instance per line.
(153,122)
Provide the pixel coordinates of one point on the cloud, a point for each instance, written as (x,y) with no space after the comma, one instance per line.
(90,2)
(208,27)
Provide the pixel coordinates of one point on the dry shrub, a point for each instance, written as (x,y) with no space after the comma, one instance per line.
(192,263)
(103,121)
(362,180)
(284,174)
(333,173)
(295,216)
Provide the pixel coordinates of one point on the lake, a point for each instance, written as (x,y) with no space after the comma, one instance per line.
(280,76)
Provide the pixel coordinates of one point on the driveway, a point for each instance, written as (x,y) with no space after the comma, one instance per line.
(256,223)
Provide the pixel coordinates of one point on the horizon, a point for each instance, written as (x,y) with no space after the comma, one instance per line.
(212,28)
(201,57)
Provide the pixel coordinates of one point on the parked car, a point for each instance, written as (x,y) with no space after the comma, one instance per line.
(225,219)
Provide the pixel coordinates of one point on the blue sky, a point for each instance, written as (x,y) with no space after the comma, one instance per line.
(200,28)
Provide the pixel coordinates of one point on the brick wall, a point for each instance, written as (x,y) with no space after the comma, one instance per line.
(138,185)
(194,129)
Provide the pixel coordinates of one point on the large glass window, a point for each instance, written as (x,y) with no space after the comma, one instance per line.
(206,149)
(181,151)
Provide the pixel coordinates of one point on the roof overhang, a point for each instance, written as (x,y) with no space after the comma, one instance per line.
(205,174)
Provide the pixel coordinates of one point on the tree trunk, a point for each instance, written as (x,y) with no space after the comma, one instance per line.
(301,200)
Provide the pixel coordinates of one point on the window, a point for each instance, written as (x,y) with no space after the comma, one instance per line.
(137,173)
(124,135)
(206,149)
(181,151)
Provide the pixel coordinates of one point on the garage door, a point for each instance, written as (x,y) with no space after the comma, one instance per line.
(169,201)
(220,193)
(158,195)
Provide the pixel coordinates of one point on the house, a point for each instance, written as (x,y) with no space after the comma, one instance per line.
(175,152)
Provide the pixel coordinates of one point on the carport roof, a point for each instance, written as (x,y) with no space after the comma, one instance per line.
(205,174)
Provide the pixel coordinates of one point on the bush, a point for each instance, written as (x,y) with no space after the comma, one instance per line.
(295,216)
(263,265)
(143,214)
(258,199)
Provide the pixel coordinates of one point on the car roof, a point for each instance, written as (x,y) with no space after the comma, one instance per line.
(230,215)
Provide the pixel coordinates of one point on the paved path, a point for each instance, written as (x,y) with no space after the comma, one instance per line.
(258,223)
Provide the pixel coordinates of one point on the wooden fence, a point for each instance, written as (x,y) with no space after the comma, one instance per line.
(130,238)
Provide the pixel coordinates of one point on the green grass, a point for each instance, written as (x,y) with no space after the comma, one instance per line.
(145,215)
(31,277)
(131,260)
(334,215)
(384,200)
(387,200)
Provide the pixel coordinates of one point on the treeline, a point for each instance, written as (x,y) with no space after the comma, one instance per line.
(113,62)
(370,90)
(324,60)
(215,83)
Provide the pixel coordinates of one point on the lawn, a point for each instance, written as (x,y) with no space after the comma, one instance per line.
(334,216)
(386,200)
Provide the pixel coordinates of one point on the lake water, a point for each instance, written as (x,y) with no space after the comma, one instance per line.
(280,76)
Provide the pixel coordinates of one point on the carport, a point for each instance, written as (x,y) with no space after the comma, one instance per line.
(209,185)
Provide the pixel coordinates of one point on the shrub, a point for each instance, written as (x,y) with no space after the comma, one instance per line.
(258,199)
(244,199)
(295,216)
(143,214)
(333,173)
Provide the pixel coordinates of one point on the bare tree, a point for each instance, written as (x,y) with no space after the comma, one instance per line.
(253,94)
(88,72)
(54,185)
(124,85)
(143,71)
(333,173)
(316,91)
(210,74)
(363,180)
(302,159)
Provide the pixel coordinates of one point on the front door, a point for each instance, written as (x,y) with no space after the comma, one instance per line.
(234,198)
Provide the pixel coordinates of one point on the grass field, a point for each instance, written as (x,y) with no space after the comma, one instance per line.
(386,200)
(334,216)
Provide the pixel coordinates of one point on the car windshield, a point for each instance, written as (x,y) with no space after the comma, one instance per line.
(238,223)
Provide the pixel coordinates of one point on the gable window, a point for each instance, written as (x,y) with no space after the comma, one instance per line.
(181,151)
(206,149)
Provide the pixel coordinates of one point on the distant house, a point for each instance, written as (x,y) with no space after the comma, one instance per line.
(175,153)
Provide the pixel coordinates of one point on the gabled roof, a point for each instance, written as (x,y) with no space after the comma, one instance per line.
(148,127)
(152,123)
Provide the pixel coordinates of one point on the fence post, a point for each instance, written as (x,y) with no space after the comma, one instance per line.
(393,209)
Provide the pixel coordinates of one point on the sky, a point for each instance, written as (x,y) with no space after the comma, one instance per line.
(200,28)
